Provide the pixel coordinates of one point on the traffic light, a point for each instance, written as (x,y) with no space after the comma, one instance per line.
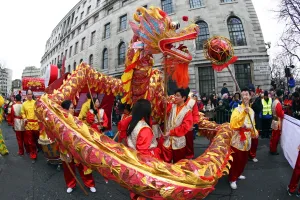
(287,72)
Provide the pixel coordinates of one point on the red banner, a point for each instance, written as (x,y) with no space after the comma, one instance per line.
(34,84)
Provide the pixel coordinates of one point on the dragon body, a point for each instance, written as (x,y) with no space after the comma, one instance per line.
(144,175)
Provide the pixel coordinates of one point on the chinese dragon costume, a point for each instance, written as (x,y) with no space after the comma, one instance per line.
(154,33)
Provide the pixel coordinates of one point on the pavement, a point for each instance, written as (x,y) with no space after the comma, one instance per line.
(22,180)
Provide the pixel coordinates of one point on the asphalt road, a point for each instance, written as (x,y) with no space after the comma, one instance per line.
(22,180)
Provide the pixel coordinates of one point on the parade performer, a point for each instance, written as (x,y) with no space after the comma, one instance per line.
(191,105)
(241,140)
(85,108)
(139,134)
(292,187)
(9,115)
(18,124)
(96,116)
(85,173)
(124,122)
(31,125)
(255,103)
(180,122)
(276,125)
(3,149)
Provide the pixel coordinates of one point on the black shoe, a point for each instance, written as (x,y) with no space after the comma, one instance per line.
(288,191)
(274,153)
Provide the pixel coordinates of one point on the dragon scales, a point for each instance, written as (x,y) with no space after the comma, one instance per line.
(141,174)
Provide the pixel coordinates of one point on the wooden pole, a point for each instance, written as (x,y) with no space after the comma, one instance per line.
(166,95)
(80,185)
(239,89)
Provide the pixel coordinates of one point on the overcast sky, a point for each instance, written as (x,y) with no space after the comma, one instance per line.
(26,26)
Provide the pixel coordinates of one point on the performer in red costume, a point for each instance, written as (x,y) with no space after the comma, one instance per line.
(96,116)
(18,124)
(292,187)
(87,179)
(276,125)
(139,134)
(9,115)
(124,122)
(191,105)
(180,122)
(244,130)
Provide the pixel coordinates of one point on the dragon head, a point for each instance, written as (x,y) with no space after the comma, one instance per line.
(157,33)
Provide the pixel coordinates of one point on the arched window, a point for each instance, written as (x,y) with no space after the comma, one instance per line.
(105,59)
(91,60)
(236,31)
(74,66)
(69,68)
(203,35)
(80,61)
(121,53)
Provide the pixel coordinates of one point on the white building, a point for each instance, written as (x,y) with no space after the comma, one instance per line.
(31,71)
(5,81)
(97,32)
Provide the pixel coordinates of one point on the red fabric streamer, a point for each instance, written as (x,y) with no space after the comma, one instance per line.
(220,67)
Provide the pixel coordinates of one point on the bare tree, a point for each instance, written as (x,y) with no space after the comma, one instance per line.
(290,40)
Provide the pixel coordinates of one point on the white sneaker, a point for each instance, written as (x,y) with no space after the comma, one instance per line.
(254,160)
(69,190)
(233,185)
(241,177)
(92,189)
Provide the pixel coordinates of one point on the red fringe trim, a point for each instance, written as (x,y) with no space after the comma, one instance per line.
(219,68)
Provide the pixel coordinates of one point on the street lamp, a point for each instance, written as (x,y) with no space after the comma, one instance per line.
(288,74)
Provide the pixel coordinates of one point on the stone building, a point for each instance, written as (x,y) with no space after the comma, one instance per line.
(5,81)
(31,71)
(97,32)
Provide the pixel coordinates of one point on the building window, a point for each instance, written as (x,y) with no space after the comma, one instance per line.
(88,10)
(91,60)
(123,22)
(74,66)
(105,59)
(84,4)
(86,25)
(227,1)
(167,6)
(243,74)
(109,11)
(76,48)
(82,43)
(93,35)
(236,31)
(196,3)
(206,80)
(98,2)
(121,53)
(81,60)
(106,31)
(69,68)
(66,53)
(96,17)
(81,15)
(75,20)
(203,35)
(124,3)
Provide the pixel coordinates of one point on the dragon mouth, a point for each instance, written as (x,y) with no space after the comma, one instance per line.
(169,46)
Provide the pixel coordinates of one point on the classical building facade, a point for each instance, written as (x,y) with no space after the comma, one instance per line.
(5,81)
(16,86)
(31,71)
(97,32)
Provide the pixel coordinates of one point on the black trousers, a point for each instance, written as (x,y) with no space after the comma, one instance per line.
(266,128)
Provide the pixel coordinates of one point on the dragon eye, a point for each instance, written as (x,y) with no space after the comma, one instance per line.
(175,25)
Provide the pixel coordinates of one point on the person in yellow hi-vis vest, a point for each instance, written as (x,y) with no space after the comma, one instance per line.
(31,125)
(85,108)
(266,115)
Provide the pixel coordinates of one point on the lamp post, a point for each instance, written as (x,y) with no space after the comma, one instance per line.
(288,74)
